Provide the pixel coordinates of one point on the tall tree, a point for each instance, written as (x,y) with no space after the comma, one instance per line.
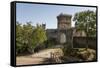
(27,36)
(86,21)
(39,35)
(19,38)
(24,37)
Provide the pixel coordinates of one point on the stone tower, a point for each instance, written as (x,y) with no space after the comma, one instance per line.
(64,21)
(64,25)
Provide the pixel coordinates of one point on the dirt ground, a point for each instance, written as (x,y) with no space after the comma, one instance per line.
(37,58)
(28,60)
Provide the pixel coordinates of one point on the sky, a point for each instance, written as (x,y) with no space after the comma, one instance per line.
(45,14)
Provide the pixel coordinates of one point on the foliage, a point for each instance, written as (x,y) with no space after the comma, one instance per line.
(39,35)
(67,50)
(27,37)
(86,21)
(19,46)
(86,54)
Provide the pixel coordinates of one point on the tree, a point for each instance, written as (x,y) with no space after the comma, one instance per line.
(27,36)
(19,46)
(24,37)
(39,35)
(86,21)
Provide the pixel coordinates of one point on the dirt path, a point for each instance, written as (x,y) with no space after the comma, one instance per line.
(37,58)
(29,60)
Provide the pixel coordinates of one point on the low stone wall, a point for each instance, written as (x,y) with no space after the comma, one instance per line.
(82,42)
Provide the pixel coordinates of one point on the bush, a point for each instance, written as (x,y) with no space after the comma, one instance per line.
(67,49)
(87,54)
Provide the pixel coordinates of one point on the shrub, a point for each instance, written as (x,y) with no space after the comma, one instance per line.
(87,54)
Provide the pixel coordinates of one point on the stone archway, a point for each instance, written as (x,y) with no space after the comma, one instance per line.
(62,38)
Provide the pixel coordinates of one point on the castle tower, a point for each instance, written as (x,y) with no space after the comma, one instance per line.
(64,21)
(64,25)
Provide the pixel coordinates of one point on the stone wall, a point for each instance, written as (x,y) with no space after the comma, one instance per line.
(81,42)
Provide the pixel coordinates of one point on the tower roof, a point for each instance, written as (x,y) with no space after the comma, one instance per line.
(64,15)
